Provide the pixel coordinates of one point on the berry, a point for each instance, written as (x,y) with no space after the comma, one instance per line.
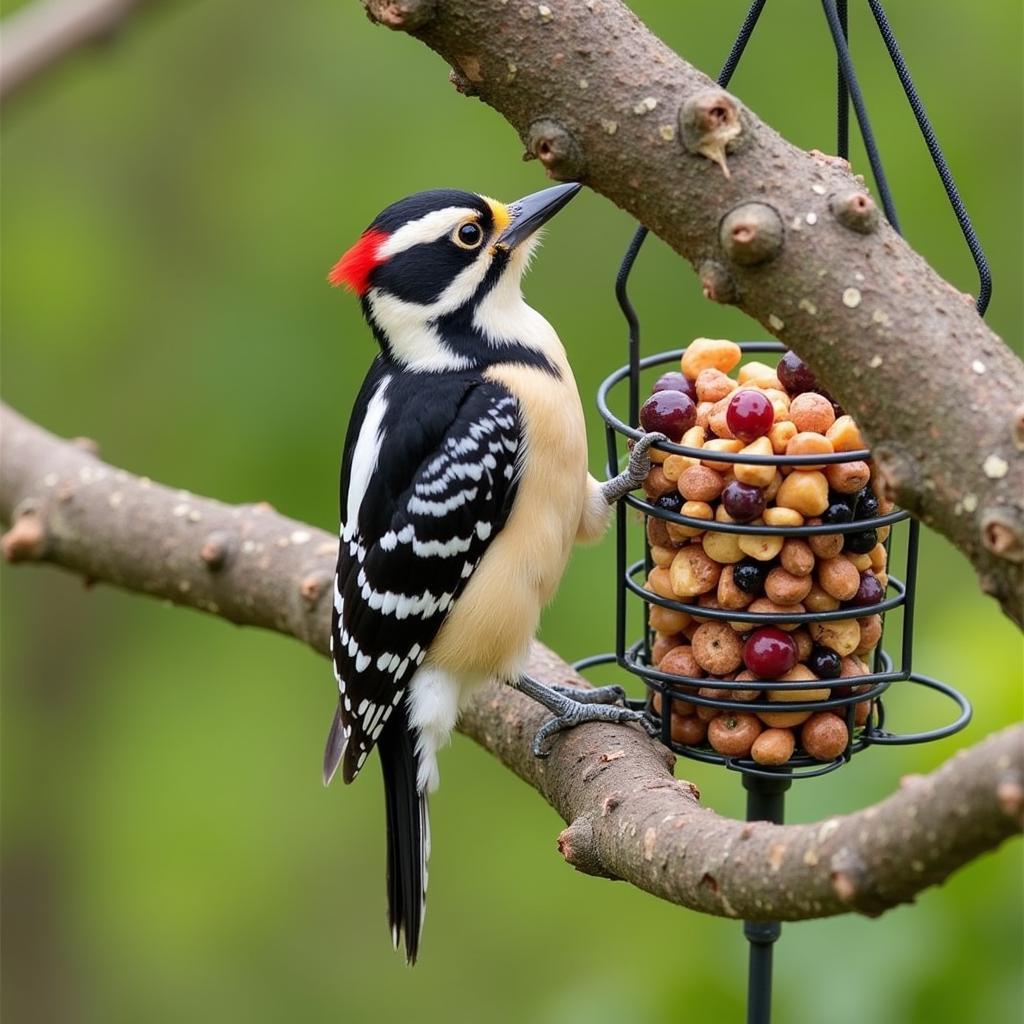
(867,505)
(796,378)
(769,653)
(825,663)
(860,543)
(742,501)
(750,415)
(670,412)
(675,381)
(671,502)
(837,512)
(749,575)
(869,592)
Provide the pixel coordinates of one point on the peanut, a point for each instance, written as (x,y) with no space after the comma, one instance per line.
(848,477)
(693,572)
(797,557)
(773,746)
(842,635)
(709,353)
(759,476)
(722,547)
(805,491)
(713,385)
(698,483)
(784,587)
(811,411)
(845,435)
(807,443)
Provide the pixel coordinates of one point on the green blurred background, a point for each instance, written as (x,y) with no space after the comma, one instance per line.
(171,204)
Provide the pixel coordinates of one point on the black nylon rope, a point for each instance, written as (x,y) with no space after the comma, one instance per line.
(848,90)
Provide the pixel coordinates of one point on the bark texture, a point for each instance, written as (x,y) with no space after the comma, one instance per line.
(791,237)
(627,816)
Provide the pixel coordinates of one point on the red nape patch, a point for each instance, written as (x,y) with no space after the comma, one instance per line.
(354,268)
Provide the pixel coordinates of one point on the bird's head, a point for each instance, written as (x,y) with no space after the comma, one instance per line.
(438,274)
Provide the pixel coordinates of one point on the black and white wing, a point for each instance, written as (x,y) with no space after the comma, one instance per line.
(427,485)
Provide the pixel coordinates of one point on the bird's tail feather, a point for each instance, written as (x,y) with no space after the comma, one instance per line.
(408,833)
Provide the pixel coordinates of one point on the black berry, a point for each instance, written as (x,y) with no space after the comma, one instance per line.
(749,575)
(671,502)
(867,504)
(860,543)
(825,663)
(837,512)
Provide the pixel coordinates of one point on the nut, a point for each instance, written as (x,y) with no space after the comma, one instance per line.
(717,648)
(713,385)
(693,572)
(781,434)
(663,643)
(809,443)
(805,491)
(720,444)
(729,595)
(782,517)
(760,546)
(783,587)
(667,620)
(818,600)
(733,733)
(842,635)
(812,412)
(722,547)
(773,747)
(797,557)
(710,354)
(759,476)
(824,736)
(845,435)
(848,477)
(839,577)
(698,483)
(681,662)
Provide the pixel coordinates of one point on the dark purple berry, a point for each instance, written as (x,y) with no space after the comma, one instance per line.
(869,592)
(676,381)
(867,504)
(671,502)
(670,412)
(837,512)
(750,415)
(825,663)
(794,375)
(860,543)
(749,575)
(743,501)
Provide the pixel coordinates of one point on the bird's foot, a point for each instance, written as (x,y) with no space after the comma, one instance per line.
(636,470)
(592,694)
(598,705)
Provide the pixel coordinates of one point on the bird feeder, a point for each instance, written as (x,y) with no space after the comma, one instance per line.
(860,700)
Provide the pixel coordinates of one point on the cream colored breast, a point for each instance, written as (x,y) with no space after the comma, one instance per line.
(496,616)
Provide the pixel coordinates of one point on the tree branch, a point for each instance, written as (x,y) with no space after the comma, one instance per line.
(627,816)
(790,237)
(43,33)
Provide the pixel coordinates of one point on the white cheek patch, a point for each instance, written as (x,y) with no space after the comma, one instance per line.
(428,228)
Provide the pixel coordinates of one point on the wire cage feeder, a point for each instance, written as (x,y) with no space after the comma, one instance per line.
(849,697)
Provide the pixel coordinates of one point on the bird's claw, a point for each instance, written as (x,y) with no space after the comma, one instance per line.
(579,714)
(592,694)
(640,457)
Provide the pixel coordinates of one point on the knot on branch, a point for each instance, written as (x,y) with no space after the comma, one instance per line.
(851,882)
(555,147)
(855,210)
(462,84)
(1000,533)
(897,471)
(312,587)
(1018,428)
(401,15)
(709,124)
(751,234)
(717,283)
(576,844)
(216,550)
(25,541)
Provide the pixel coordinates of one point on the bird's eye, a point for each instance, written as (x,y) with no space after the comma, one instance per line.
(468,235)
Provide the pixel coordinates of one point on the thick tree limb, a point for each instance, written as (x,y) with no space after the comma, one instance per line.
(43,33)
(790,237)
(628,817)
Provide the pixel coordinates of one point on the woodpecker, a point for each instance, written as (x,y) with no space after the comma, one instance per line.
(464,485)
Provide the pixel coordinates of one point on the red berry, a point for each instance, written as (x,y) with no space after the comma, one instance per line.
(794,375)
(676,381)
(769,653)
(670,412)
(750,415)
(743,501)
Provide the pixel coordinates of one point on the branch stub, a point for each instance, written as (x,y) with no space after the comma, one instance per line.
(401,15)
(751,234)
(553,145)
(855,210)
(709,124)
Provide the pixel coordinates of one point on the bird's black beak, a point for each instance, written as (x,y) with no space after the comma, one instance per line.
(533,211)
